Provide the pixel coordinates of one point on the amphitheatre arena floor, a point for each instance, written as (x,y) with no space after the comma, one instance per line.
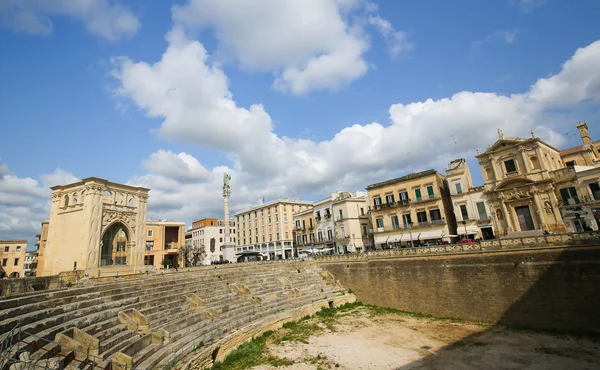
(366,337)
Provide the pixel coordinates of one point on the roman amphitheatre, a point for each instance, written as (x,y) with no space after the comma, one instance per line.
(524,304)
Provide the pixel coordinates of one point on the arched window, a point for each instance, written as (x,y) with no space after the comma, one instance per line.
(74,201)
(131,202)
(66,200)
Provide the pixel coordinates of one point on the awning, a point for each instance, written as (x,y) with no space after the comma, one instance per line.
(460,230)
(427,235)
(381,239)
(389,238)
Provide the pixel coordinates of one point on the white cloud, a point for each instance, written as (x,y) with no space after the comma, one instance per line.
(397,41)
(104,18)
(192,97)
(506,36)
(310,44)
(180,167)
(25,202)
(528,6)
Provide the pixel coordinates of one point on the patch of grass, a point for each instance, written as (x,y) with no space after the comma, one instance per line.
(251,354)
(298,331)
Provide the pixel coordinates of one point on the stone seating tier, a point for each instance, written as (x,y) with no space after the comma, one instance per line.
(144,321)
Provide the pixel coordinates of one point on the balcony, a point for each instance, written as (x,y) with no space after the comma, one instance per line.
(511,174)
(592,198)
(327,216)
(318,218)
(427,198)
(571,202)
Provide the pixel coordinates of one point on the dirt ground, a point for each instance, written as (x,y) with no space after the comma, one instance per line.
(360,341)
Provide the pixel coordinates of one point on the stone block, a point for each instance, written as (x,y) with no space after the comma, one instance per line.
(195,301)
(242,290)
(81,343)
(134,320)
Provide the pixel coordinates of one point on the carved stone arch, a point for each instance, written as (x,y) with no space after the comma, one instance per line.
(513,183)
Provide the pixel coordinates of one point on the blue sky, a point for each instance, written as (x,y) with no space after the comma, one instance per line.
(78,100)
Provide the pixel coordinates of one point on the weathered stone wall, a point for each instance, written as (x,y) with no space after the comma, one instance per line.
(556,288)
(12,287)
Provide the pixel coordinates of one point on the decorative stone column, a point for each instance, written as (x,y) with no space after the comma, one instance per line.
(92,219)
(137,255)
(227,245)
(48,268)
(524,158)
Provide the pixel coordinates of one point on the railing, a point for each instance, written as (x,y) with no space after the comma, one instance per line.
(327,215)
(570,202)
(511,174)
(318,218)
(427,198)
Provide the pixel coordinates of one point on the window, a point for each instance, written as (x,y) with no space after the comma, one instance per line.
(377,202)
(422,217)
(379,223)
(312,238)
(18,248)
(389,198)
(297,224)
(435,215)
(220,231)
(220,240)
(364,230)
(406,220)
(121,233)
(481,211)
(362,211)
(310,223)
(120,260)
(458,188)
(343,232)
(430,192)
(571,164)
(299,239)
(16,262)
(329,235)
(341,215)
(212,223)
(120,246)
(150,233)
(395,224)
(463,212)
(149,245)
(403,197)
(569,195)
(320,236)
(510,166)
(418,195)
(6,249)
(4,261)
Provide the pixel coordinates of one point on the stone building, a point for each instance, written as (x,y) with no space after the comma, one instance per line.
(208,234)
(519,184)
(268,228)
(587,154)
(411,210)
(304,234)
(12,257)
(163,241)
(40,244)
(579,197)
(30,264)
(352,223)
(471,211)
(97,226)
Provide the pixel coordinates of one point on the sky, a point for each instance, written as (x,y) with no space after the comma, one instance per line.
(293,98)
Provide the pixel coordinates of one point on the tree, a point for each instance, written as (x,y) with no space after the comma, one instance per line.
(191,256)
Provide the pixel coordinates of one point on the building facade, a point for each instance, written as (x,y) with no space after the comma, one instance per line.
(268,229)
(411,210)
(163,241)
(30,265)
(352,223)
(519,180)
(208,234)
(12,257)
(304,234)
(40,244)
(471,211)
(97,226)
(586,154)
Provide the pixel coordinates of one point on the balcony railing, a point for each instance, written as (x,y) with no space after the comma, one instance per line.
(327,215)
(427,198)
(592,198)
(512,174)
(318,218)
(574,201)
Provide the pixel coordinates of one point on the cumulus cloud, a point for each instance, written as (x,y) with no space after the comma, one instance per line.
(180,167)
(104,18)
(25,202)
(191,95)
(310,44)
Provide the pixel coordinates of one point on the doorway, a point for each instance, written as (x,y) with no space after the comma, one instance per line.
(524,217)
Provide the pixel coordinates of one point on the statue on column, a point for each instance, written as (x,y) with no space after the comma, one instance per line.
(226,188)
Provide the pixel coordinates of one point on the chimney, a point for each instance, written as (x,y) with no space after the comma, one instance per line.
(583,131)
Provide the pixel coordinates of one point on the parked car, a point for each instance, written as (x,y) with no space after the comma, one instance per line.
(466,241)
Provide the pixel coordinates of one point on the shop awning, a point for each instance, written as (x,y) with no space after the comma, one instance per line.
(471,230)
(389,238)
(427,235)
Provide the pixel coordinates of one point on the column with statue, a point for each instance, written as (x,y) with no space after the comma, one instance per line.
(228,246)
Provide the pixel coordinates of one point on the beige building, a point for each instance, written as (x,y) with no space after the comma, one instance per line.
(304,234)
(587,154)
(163,241)
(521,178)
(267,230)
(471,211)
(30,264)
(40,244)
(352,222)
(411,210)
(97,226)
(579,197)
(12,257)
(208,234)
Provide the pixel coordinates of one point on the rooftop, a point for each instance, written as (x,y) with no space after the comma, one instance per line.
(13,241)
(98,180)
(409,177)
(276,201)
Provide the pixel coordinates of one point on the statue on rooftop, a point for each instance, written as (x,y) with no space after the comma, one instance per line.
(500,134)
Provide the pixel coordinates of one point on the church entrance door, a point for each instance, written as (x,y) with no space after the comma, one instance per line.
(524,217)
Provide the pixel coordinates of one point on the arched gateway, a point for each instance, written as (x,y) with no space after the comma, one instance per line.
(103,232)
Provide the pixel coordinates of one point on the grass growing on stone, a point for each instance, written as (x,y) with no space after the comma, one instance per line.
(251,354)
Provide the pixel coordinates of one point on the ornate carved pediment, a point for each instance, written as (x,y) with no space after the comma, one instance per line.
(517,195)
(127,218)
